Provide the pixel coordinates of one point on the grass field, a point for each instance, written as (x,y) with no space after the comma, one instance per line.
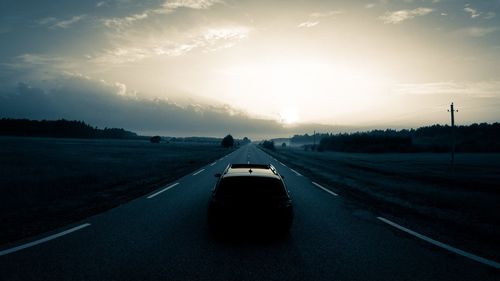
(46,183)
(462,206)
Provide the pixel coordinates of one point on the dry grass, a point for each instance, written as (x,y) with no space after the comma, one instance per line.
(461,206)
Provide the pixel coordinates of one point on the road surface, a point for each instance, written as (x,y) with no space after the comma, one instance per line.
(164,236)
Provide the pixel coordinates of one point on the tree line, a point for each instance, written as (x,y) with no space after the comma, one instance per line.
(436,138)
(60,129)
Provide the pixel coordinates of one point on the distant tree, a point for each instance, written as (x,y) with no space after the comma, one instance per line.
(283,145)
(268,144)
(246,140)
(227,141)
(155,139)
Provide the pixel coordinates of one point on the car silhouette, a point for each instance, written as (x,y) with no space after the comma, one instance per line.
(250,196)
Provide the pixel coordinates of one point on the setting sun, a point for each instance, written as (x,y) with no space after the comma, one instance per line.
(289,116)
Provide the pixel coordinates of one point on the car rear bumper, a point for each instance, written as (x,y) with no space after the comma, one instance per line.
(240,216)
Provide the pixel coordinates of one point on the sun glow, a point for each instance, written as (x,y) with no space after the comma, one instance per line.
(289,116)
(326,89)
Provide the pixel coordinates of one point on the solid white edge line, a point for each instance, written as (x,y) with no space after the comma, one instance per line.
(282,163)
(297,173)
(198,172)
(213,163)
(325,189)
(163,190)
(43,240)
(442,245)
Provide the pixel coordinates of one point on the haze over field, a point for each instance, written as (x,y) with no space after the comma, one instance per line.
(210,67)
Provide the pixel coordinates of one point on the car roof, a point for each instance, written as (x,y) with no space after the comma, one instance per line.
(251,170)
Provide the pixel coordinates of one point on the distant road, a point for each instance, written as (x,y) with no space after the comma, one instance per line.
(163,236)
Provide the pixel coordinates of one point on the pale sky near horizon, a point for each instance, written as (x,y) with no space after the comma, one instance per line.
(343,63)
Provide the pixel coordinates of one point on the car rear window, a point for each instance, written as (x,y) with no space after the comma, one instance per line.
(250,187)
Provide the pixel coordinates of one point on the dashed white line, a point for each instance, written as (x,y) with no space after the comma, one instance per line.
(442,245)
(297,173)
(43,240)
(282,163)
(213,163)
(163,190)
(325,189)
(198,172)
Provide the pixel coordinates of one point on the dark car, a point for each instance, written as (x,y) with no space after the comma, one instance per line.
(250,196)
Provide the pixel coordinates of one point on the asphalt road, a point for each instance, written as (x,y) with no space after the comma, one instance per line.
(164,236)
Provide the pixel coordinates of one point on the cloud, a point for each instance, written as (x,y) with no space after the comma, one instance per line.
(165,8)
(325,14)
(191,4)
(37,60)
(221,38)
(106,104)
(124,21)
(477,89)
(48,92)
(489,15)
(53,22)
(67,23)
(47,20)
(100,4)
(369,5)
(133,47)
(473,13)
(121,55)
(313,18)
(475,31)
(403,15)
(308,24)
(42,63)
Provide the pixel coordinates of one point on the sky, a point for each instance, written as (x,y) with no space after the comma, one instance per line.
(250,68)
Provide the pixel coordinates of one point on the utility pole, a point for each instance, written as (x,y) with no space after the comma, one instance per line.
(452,112)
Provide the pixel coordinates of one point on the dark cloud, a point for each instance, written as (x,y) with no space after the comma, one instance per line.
(99,104)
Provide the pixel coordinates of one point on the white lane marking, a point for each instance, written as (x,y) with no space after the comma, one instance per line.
(442,245)
(282,163)
(43,240)
(248,162)
(297,173)
(325,189)
(163,190)
(213,163)
(198,172)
